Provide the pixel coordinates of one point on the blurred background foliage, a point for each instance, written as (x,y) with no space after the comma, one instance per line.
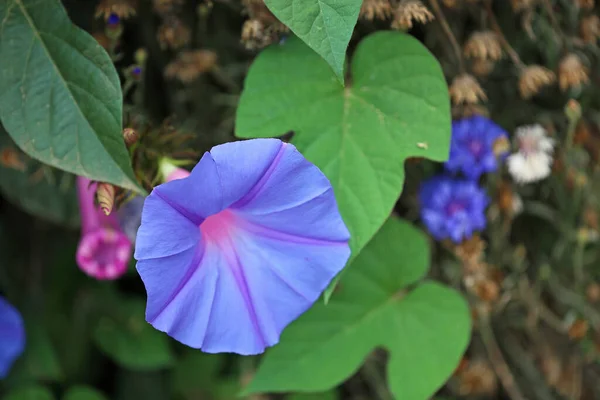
(535,310)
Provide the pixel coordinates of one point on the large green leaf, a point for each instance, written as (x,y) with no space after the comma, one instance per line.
(130,341)
(425,329)
(37,188)
(325,25)
(60,95)
(396,107)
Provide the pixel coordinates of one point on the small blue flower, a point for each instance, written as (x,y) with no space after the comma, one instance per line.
(472,146)
(12,336)
(137,71)
(452,208)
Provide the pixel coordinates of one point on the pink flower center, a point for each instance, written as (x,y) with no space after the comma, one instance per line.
(475,146)
(104,253)
(218,226)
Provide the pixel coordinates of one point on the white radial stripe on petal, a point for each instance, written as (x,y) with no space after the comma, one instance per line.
(287,278)
(177,232)
(241,165)
(237,328)
(304,226)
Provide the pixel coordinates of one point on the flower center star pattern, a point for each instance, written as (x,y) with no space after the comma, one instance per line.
(233,252)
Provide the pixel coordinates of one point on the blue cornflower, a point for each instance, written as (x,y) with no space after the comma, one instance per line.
(452,208)
(235,251)
(12,336)
(474,148)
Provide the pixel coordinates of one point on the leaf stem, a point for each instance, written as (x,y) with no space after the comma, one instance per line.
(439,15)
(507,47)
(497,359)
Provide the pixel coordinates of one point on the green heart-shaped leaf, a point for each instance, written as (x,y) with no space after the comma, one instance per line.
(325,25)
(425,329)
(396,107)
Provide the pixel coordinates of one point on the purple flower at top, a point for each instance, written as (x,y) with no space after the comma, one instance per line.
(104,250)
(452,208)
(12,336)
(233,252)
(472,146)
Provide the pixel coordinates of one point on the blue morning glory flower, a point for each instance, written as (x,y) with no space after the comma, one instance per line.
(452,208)
(12,336)
(233,252)
(472,146)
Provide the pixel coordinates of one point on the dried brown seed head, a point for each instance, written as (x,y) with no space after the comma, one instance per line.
(189,65)
(408,12)
(466,90)
(483,45)
(533,78)
(173,34)
(470,251)
(589,28)
(121,8)
(477,379)
(130,136)
(11,158)
(572,73)
(376,9)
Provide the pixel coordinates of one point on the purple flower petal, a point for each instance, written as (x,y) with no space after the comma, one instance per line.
(239,249)
(12,336)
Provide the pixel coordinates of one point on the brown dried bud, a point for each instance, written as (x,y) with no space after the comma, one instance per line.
(130,136)
(465,89)
(533,79)
(589,28)
(484,46)
(572,72)
(477,379)
(375,9)
(173,34)
(409,11)
(189,65)
(592,292)
(449,3)
(578,329)
(105,196)
(254,35)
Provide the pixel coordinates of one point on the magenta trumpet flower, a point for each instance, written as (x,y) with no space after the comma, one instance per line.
(104,250)
(233,252)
